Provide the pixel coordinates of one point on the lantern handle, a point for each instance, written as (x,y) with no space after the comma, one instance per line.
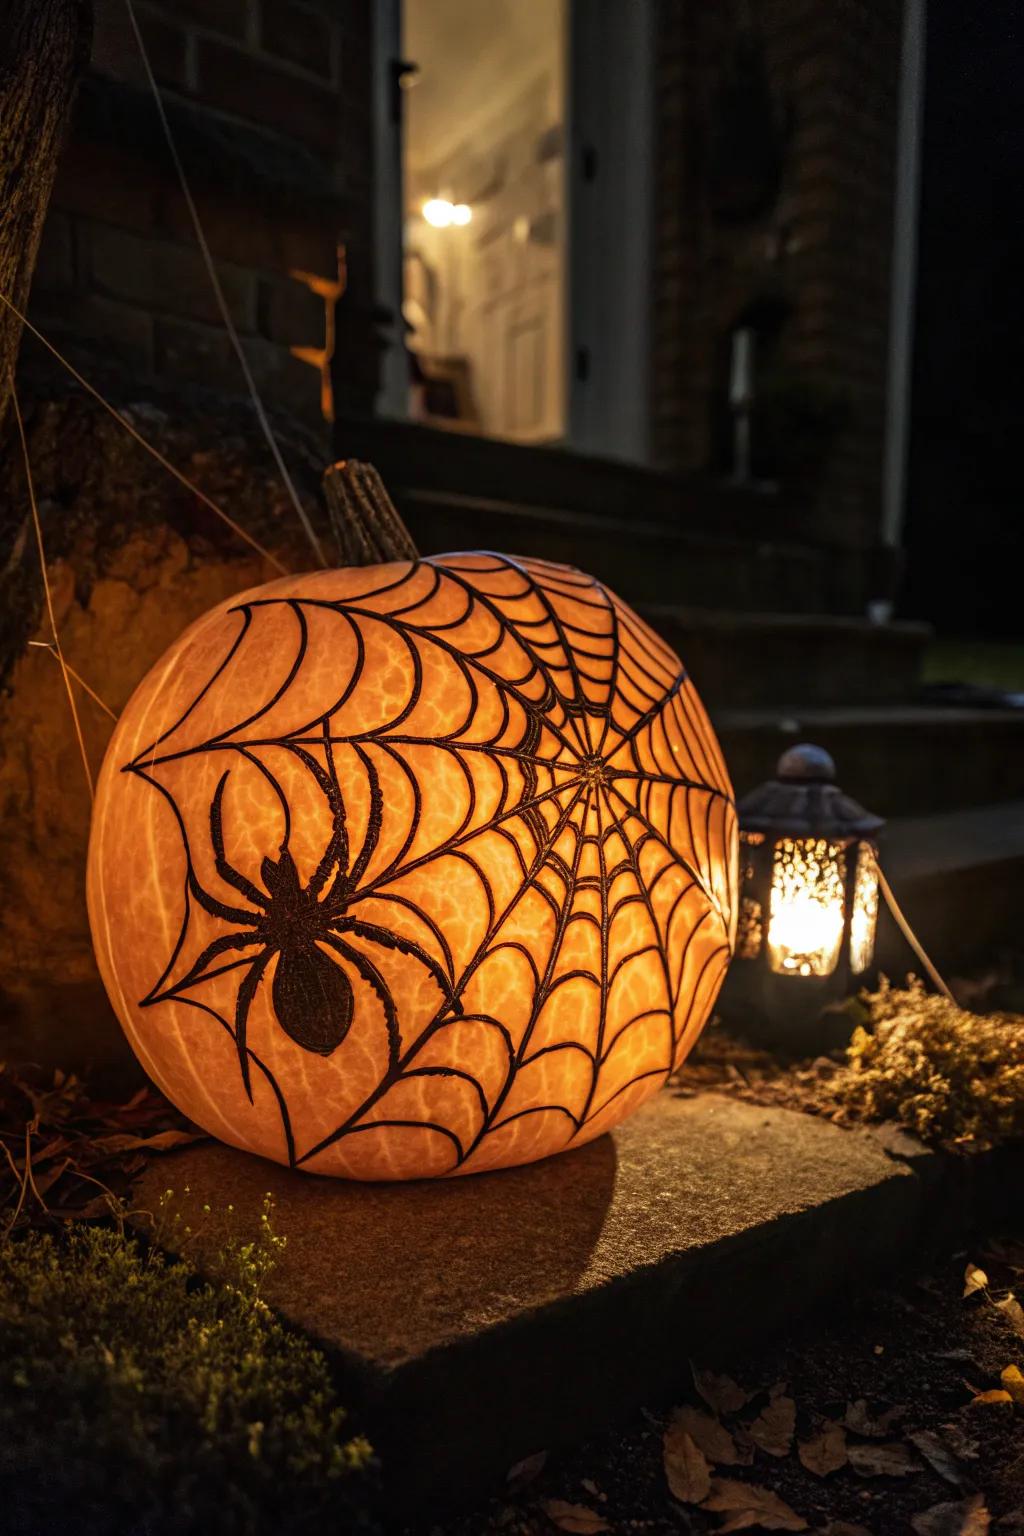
(910,936)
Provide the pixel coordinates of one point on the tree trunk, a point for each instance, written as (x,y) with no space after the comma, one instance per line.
(44,47)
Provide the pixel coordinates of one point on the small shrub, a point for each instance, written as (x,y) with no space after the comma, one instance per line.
(948,1075)
(135,1396)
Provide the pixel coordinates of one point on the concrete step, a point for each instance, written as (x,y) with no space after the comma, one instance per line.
(898,760)
(641,559)
(739,659)
(959,877)
(479,1321)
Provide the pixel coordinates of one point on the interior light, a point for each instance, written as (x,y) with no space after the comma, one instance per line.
(461,213)
(439,212)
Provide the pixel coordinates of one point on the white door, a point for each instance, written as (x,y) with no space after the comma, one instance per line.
(535,114)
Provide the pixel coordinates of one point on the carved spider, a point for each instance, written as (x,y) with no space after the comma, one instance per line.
(312,995)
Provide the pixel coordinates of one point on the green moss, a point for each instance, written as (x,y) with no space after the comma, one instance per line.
(950,1076)
(135,1396)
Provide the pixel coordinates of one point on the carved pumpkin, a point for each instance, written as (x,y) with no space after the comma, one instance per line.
(416,869)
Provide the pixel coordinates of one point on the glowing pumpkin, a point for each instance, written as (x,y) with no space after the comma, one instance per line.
(417,869)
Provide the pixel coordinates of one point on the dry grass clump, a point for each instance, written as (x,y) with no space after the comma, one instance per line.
(948,1075)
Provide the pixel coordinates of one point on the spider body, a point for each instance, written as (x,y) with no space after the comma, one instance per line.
(297,924)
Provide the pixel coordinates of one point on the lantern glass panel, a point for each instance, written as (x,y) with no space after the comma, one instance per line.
(806,917)
(865,910)
(750,929)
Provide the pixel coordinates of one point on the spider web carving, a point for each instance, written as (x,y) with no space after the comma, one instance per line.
(496,897)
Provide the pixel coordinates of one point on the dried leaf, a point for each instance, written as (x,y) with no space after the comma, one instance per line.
(773,1428)
(748,1505)
(576,1518)
(825,1452)
(1008,1250)
(46,1181)
(968,1517)
(687,1471)
(937,1454)
(975,1279)
(875,1427)
(993,1399)
(721,1393)
(526,1470)
(710,1436)
(892,1460)
(1013,1382)
(960,1443)
(163,1141)
(1012,1310)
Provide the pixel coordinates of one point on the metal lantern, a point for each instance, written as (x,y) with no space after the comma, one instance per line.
(808,895)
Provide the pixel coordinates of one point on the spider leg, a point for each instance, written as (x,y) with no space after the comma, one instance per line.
(227,871)
(373,823)
(218,908)
(389,940)
(226,942)
(246,993)
(369,972)
(336,852)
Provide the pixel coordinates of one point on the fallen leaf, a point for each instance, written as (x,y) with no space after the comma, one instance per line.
(937,1454)
(992,1399)
(712,1437)
(773,1428)
(875,1427)
(687,1471)
(1012,1310)
(968,1517)
(526,1470)
(960,1443)
(748,1505)
(825,1452)
(576,1518)
(975,1279)
(1013,1382)
(892,1460)
(1008,1251)
(163,1141)
(720,1393)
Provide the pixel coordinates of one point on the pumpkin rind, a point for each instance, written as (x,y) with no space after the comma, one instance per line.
(416,869)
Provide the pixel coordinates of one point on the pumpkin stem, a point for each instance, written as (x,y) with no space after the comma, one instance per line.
(367,527)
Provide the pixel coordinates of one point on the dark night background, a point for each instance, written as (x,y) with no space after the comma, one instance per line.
(964,530)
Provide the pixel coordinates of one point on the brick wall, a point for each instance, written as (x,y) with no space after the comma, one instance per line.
(809,260)
(270,104)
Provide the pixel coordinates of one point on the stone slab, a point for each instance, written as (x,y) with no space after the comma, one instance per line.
(479,1320)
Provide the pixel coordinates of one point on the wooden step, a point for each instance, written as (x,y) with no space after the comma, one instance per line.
(898,760)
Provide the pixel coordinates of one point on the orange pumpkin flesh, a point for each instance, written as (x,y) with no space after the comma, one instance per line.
(413,870)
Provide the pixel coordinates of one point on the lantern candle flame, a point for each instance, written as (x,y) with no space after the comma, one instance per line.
(805,924)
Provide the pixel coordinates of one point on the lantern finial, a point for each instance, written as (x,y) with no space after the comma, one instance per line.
(806,763)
